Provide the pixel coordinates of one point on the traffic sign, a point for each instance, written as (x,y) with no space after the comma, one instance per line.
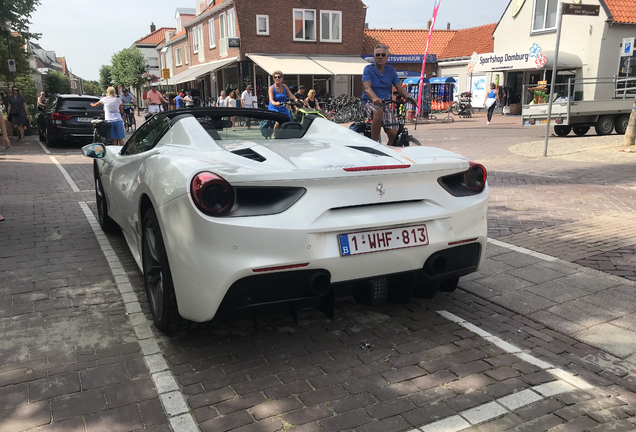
(581,9)
(11,65)
(165,73)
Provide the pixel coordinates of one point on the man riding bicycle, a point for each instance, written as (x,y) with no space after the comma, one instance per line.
(378,80)
(128,102)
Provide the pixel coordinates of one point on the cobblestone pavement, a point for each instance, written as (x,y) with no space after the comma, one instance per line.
(528,343)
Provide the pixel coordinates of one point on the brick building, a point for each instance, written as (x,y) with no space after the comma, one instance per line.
(233,43)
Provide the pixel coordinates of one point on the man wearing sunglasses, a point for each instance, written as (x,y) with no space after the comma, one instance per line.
(378,80)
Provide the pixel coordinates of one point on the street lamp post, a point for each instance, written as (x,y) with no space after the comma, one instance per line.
(6,26)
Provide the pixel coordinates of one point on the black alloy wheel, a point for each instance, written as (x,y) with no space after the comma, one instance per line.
(562,130)
(604,125)
(107,224)
(157,277)
(580,130)
(621,124)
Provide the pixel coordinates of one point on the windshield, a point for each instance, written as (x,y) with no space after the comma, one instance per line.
(79,105)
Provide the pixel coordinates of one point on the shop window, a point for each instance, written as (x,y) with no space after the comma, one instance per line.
(262,25)
(545,15)
(195,40)
(211,33)
(304,25)
(330,26)
(177,56)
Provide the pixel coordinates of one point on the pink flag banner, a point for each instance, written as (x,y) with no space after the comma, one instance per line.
(428,43)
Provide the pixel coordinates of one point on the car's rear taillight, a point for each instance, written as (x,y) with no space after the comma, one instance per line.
(476,177)
(212,194)
(63,117)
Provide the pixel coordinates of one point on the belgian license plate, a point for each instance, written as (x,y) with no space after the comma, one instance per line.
(382,240)
(83,119)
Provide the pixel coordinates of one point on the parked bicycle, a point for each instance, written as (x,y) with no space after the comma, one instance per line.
(402,137)
(130,124)
(463,105)
(101,131)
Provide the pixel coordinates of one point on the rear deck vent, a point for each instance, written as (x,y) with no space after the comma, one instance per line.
(250,154)
(369,150)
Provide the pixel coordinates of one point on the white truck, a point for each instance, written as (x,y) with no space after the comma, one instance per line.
(605,103)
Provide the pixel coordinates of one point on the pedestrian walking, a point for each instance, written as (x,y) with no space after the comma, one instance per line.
(490,101)
(179,100)
(19,113)
(231,101)
(187,99)
(248,101)
(113,110)
(5,140)
(220,102)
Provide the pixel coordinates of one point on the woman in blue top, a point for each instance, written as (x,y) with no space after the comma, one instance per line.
(278,94)
(489,101)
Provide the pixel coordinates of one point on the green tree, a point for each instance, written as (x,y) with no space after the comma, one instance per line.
(92,88)
(27,88)
(127,67)
(56,82)
(18,12)
(105,77)
(18,54)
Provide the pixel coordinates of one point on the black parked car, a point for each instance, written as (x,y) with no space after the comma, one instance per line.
(67,118)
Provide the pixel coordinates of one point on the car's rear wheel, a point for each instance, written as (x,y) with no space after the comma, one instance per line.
(604,125)
(580,130)
(562,130)
(107,224)
(50,142)
(621,124)
(158,278)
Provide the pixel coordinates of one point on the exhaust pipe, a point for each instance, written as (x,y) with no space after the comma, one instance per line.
(319,283)
(435,265)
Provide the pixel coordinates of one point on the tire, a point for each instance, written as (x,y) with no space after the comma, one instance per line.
(580,130)
(604,125)
(133,124)
(621,124)
(157,277)
(408,141)
(50,142)
(562,130)
(107,224)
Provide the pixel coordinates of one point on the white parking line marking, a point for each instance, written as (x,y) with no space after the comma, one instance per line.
(68,178)
(174,403)
(565,382)
(44,148)
(539,255)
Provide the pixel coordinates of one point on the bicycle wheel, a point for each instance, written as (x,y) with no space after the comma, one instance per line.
(133,123)
(408,141)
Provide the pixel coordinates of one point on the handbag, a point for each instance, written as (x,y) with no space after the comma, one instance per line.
(506,109)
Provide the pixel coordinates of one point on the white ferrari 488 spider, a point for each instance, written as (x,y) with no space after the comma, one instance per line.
(282,213)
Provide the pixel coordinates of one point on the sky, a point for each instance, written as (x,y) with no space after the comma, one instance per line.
(89,32)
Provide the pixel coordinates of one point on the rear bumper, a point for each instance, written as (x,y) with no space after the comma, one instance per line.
(71,133)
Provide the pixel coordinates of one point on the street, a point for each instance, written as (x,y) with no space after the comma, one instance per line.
(541,338)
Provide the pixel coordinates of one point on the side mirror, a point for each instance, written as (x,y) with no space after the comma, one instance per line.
(94,151)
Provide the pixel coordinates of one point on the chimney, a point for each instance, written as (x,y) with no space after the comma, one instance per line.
(447,26)
(428,24)
(152,27)
(366,25)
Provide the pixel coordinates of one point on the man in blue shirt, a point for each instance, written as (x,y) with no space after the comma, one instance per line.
(378,80)
(179,100)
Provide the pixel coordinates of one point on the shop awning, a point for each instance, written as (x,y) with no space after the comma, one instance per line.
(341,65)
(415,80)
(566,60)
(200,70)
(288,64)
(442,80)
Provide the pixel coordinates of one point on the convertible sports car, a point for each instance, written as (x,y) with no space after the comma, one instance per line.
(287,214)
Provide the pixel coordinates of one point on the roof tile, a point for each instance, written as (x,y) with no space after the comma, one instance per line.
(407,41)
(470,40)
(156,36)
(623,11)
